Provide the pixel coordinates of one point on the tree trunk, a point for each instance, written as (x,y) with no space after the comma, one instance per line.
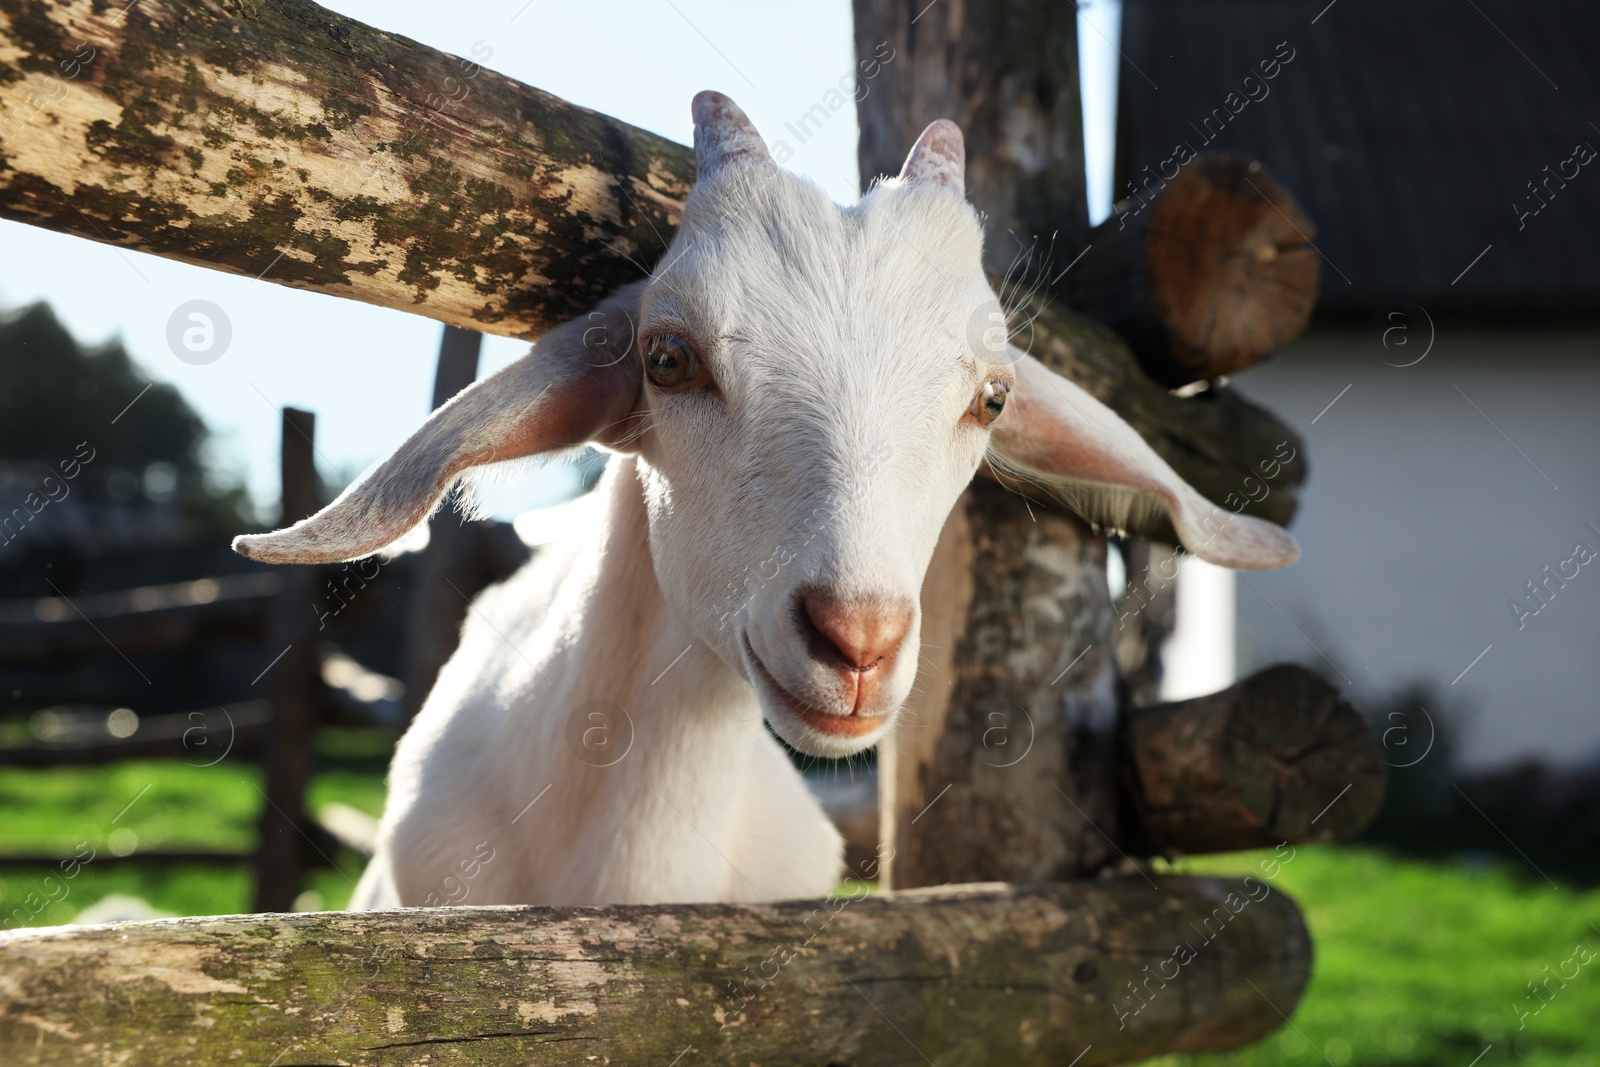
(1047,975)
(1003,764)
(280,140)
(1212,273)
(1007,73)
(1000,766)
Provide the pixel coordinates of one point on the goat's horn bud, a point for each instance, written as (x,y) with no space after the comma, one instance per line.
(723,134)
(939,157)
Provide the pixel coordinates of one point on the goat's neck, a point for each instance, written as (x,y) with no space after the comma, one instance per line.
(632,647)
(681,731)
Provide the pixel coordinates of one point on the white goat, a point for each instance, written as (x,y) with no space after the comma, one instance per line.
(795,402)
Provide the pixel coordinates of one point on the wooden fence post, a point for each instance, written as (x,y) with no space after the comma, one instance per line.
(443,583)
(1004,766)
(293,680)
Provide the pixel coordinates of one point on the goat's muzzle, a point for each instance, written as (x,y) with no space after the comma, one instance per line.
(857,642)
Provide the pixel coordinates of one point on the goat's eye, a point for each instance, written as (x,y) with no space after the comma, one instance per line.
(670,360)
(991,400)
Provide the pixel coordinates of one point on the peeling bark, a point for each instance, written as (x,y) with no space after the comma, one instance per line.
(1002,765)
(967,975)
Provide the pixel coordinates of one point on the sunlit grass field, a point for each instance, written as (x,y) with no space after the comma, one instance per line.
(1417,963)
(1430,963)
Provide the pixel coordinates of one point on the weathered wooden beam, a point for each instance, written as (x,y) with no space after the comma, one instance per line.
(1205,274)
(958,975)
(281,140)
(1281,756)
(59,629)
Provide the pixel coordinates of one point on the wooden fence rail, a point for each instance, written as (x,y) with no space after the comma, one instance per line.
(51,629)
(285,141)
(1086,973)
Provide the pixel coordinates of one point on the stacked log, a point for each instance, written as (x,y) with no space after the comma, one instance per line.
(1211,274)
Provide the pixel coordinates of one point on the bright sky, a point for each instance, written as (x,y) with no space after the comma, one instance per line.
(368,372)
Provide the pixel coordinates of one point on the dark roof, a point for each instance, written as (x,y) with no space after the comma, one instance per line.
(1409,129)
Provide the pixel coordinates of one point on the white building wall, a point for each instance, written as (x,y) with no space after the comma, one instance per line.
(1437,492)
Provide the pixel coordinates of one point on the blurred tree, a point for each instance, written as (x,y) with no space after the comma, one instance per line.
(56,393)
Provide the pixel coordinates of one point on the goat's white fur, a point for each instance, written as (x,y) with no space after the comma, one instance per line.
(828,458)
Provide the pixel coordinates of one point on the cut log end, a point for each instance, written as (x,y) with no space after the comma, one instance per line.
(1215,273)
(1281,756)
(1232,271)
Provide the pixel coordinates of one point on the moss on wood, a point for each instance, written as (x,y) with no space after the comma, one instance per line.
(278,137)
(959,975)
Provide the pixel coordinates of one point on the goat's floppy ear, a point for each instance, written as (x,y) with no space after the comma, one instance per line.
(723,135)
(578,384)
(1055,433)
(938,158)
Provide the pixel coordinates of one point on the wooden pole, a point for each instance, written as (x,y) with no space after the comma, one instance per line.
(1044,975)
(1002,766)
(292,679)
(1007,73)
(445,578)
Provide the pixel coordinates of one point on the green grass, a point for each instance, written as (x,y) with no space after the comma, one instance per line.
(159,804)
(1423,963)
(1418,963)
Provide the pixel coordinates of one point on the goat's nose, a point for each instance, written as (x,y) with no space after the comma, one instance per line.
(857,635)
